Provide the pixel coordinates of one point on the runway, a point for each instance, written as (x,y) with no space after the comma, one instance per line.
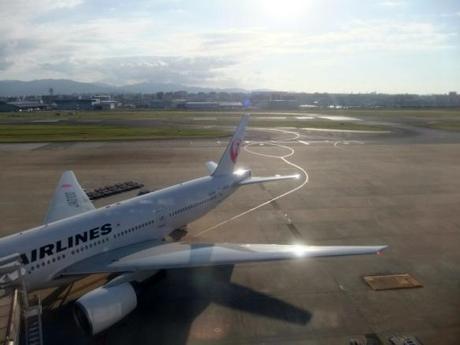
(354,189)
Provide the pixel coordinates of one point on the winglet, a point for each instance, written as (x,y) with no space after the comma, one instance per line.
(228,160)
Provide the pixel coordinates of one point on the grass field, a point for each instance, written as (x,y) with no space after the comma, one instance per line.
(51,132)
(128,125)
(448,125)
(176,114)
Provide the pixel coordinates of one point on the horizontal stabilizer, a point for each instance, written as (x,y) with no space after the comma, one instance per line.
(211,166)
(154,256)
(252,180)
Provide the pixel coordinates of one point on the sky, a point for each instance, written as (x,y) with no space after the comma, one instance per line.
(346,46)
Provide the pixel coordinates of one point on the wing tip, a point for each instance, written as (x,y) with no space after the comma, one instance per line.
(380,249)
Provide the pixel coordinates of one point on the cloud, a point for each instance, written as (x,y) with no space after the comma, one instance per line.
(104,50)
(129,70)
(358,36)
(392,3)
(70,39)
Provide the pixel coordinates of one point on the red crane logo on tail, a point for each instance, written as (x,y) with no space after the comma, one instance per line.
(234,150)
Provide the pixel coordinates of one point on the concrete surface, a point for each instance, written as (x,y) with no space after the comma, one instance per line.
(374,190)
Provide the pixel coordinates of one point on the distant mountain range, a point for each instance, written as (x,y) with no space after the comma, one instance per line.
(12,88)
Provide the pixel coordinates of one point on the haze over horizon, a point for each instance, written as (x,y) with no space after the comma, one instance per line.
(293,45)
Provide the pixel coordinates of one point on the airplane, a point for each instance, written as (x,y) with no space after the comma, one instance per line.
(127,238)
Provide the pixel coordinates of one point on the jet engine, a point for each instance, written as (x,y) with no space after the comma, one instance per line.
(101,308)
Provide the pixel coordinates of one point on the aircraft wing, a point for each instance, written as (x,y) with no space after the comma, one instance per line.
(252,180)
(155,256)
(69,199)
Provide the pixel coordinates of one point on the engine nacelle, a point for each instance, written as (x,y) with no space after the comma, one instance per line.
(241,174)
(101,308)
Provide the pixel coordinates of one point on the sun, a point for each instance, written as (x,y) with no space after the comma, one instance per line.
(283,9)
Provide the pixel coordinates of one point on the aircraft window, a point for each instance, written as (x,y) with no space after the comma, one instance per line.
(48,262)
(63,256)
(43,264)
(72,252)
(78,250)
(86,247)
(32,268)
(38,266)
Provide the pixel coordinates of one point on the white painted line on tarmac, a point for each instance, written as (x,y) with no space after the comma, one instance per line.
(269,117)
(303,142)
(339,118)
(344,130)
(284,158)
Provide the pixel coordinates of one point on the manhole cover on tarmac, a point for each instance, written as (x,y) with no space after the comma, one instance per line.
(392,281)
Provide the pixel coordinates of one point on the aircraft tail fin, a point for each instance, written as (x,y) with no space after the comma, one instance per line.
(228,160)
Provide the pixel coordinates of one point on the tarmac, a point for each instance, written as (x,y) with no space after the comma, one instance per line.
(401,189)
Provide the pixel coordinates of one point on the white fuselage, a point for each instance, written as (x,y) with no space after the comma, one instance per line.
(48,249)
